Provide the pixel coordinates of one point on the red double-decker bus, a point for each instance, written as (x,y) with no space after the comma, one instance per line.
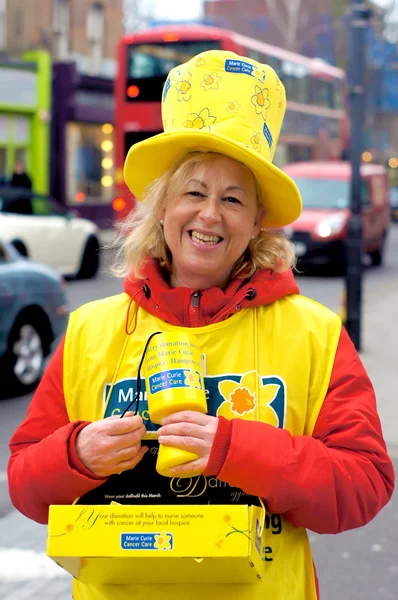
(316,121)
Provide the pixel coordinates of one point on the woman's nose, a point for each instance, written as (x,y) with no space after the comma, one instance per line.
(210,211)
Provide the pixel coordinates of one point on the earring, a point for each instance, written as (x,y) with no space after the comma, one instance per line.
(161,222)
(253,236)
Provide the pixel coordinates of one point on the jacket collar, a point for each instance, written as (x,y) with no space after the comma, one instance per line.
(195,308)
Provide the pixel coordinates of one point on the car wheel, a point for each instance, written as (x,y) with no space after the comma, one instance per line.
(20,247)
(23,362)
(90,260)
(377,255)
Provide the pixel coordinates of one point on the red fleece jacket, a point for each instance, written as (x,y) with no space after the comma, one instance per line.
(335,480)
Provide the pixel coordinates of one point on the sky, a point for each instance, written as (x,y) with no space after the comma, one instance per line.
(181,9)
(184,10)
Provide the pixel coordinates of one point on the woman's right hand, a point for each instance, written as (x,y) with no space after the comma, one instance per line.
(111,445)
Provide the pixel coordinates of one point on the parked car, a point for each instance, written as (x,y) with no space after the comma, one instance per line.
(40,228)
(33,314)
(320,233)
(394,203)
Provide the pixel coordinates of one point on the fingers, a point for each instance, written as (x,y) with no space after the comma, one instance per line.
(186,416)
(196,445)
(132,462)
(196,467)
(181,428)
(126,440)
(117,426)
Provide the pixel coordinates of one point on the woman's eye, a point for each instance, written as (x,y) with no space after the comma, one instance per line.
(233,200)
(195,193)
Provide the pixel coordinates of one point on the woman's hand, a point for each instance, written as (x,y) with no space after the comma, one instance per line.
(111,445)
(191,431)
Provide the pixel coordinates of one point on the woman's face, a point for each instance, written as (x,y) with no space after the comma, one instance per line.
(209,221)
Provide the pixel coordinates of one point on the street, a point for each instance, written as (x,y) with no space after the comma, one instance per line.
(358,564)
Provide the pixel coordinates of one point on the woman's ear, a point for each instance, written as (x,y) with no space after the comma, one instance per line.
(259,219)
(160,213)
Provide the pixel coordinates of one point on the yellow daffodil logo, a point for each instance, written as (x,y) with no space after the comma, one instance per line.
(192,379)
(210,81)
(162,541)
(200,61)
(200,120)
(259,74)
(241,399)
(261,101)
(183,88)
(233,107)
(256,141)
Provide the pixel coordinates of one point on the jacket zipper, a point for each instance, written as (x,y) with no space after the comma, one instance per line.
(194,308)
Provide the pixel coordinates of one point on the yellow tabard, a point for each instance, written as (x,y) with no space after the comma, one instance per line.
(270,364)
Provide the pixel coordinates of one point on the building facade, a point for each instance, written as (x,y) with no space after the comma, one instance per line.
(82,157)
(81,38)
(82,31)
(25,104)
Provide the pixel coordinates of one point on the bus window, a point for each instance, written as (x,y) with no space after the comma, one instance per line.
(149,64)
(320,93)
(133,137)
(255,55)
(294,78)
(276,64)
(338,95)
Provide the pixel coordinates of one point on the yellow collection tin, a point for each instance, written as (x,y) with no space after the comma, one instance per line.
(174,382)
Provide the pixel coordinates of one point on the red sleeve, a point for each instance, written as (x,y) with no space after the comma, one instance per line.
(338,479)
(43,469)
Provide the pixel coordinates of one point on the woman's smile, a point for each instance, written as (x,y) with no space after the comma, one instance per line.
(205,240)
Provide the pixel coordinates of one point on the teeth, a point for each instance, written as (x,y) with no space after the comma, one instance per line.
(206,239)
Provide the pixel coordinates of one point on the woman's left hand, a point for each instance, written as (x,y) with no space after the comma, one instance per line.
(191,431)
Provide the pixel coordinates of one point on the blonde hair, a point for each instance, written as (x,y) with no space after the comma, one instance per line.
(141,235)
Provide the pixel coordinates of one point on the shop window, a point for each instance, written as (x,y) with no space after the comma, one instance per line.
(90,164)
(61,22)
(20,155)
(95,35)
(3,166)
(21,130)
(4,130)
(3,40)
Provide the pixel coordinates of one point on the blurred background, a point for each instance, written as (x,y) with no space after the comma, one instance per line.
(80,82)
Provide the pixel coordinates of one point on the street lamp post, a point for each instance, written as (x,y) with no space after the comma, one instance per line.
(359,20)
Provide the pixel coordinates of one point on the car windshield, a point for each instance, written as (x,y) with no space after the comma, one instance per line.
(323,193)
(25,202)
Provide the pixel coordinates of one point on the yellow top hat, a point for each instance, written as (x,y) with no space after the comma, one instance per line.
(225,103)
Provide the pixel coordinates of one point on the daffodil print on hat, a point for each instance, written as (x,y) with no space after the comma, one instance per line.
(261,101)
(256,140)
(211,81)
(260,74)
(200,61)
(233,107)
(200,120)
(228,104)
(183,87)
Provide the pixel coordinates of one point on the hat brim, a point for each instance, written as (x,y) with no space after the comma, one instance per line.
(148,160)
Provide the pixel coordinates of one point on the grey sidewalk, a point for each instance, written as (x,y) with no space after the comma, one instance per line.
(26,573)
